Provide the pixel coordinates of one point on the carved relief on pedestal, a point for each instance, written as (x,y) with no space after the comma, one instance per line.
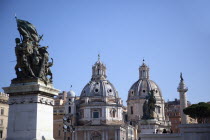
(31,99)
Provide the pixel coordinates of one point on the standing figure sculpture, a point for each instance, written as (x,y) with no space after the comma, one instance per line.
(181,77)
(149,106)
(32,60)
(145,110)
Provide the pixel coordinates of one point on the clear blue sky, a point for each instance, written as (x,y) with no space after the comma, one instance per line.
(172,35)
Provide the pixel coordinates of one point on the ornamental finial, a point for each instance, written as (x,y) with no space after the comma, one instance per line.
(98,57)
(143,60)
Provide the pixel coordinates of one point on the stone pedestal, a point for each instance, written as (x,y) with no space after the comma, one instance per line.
(149,126)
(30,110)
(153,126)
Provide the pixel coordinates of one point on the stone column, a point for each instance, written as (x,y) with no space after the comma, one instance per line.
(72,136)
(117,137)
(84,133)
(88,135)
(182,89)
(30,110)
(75,133)
(107,134)
(103,135)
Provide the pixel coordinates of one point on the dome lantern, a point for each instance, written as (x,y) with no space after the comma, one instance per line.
(99,70)
(143,71)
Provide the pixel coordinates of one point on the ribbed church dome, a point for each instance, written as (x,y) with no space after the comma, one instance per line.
(99,85)
(141,88)
(99,88)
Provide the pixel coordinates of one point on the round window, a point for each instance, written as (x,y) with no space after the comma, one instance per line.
(144,91)
(132,92)
(96,90)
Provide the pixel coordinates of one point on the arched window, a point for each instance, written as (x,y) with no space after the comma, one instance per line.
(2,111)
(158,109)
(144,73)
(98,71)
(131,109)
(69,109)
(113,113)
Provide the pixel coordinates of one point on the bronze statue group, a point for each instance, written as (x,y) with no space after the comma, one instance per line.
(32,60)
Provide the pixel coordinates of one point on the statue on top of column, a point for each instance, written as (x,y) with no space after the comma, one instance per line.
(181,77)
(32,59)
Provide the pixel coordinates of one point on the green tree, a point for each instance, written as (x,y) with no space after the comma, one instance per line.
(200,111)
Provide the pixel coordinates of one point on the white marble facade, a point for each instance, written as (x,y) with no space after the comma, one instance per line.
(30,111)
